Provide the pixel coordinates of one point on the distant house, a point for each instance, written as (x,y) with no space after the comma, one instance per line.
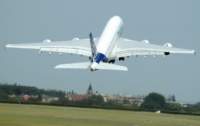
(136,100)
(25,97)
(116,98)
(48,99)
(12,96)
(185,105)
(76,97)
(124,99)
(72,96)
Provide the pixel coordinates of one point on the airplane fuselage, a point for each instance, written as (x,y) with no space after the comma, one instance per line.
(107,40)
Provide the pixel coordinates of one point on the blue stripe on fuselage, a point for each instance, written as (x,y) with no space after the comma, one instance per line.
(100,57)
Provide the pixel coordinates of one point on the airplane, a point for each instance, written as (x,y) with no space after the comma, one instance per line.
(103,51)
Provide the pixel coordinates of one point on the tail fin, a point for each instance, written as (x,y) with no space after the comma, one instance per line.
(93,47)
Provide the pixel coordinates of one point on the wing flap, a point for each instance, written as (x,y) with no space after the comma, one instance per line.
(69,50)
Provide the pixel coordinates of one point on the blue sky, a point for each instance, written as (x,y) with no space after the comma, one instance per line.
(174,21)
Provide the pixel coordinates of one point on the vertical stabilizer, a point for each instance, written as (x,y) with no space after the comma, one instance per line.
(93,47)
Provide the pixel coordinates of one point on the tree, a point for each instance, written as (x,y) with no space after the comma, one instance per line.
(171,98)
(154,101)
(95,100)
(174,107)
(3,95)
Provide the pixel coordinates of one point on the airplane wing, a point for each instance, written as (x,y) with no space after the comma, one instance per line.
(127,47)
(75,46)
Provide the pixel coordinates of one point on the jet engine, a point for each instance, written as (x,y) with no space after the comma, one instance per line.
(47,41)
(146,41)
(168,45)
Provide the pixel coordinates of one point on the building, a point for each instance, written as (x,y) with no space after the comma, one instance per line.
(25,97)
(76,97)
(136,100)
(90,90)
(48,99)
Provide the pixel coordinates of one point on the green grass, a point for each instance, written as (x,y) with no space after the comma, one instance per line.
(36,115)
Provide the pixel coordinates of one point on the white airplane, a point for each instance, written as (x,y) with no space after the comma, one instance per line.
(103,51)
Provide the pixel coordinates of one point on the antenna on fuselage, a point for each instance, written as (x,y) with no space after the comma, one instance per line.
(93,47)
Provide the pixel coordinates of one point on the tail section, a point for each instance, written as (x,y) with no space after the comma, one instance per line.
(82,65)
(88,65)
(93,65)
(93,47)
(107,66)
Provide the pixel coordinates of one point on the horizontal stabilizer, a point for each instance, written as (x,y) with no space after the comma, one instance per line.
(83,65)
(107,66)
(86,65)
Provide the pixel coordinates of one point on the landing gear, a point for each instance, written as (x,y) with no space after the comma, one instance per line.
(111,61)
(121,58)
(166,53)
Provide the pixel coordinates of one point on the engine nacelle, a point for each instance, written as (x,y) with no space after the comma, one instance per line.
(146,41)
(168,45)
(166,53)
(76,38)
(47,41)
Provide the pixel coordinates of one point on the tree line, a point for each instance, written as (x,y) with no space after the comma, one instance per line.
(7,90)
(152,102)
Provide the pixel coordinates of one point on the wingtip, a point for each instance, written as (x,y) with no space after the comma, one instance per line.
(57,67)
(190,52)
(8,45)
(194,52)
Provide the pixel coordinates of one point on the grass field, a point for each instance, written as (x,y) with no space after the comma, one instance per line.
(36,115)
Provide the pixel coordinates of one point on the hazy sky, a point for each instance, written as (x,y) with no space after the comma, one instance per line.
(160,21)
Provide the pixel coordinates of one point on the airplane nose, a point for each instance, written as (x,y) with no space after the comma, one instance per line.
(117,18)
